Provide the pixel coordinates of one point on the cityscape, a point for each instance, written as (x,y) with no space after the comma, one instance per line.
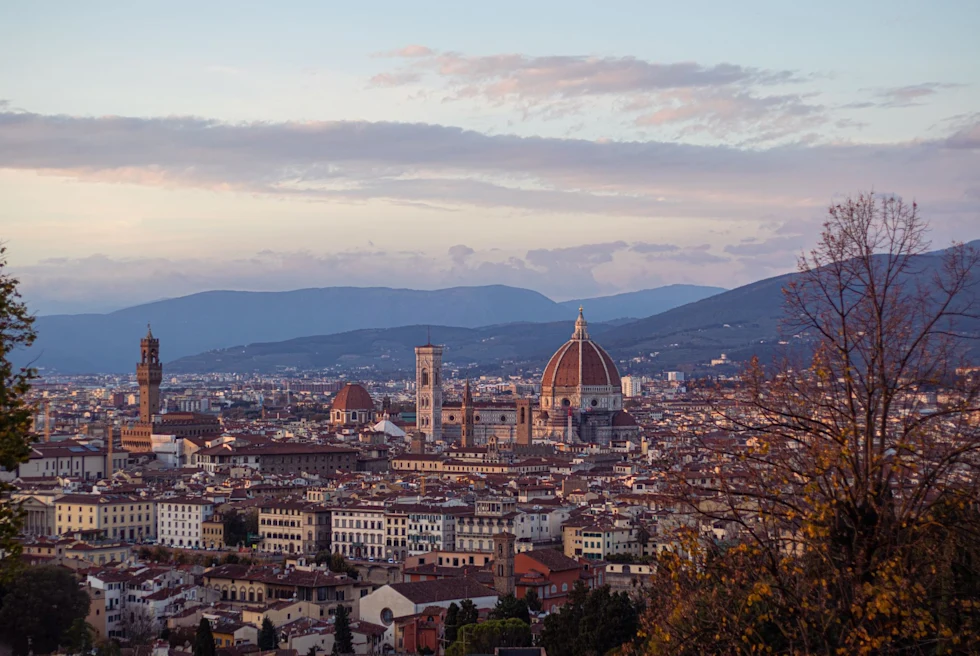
(390,331)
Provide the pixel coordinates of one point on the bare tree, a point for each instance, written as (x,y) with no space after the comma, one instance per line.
(851,482)
(139,626)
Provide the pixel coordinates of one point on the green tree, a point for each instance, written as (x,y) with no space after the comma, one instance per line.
(468,613)
(268,636)
(40,606)
(451,623)
(491,635)
(204,640)
(532,600)
(509,607)
(339,565)
(16,332)
(343,638)
(591,622)
(79,638)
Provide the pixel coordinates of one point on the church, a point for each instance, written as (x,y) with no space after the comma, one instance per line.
(581,400)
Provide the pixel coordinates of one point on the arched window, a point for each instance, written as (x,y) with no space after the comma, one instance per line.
(564,587)
(425,378)
(554,589)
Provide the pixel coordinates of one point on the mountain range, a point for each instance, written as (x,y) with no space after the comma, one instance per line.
(742,322)
(191,325)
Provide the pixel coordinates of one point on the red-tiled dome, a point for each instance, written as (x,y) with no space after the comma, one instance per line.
(352,397)
(580,362)
(623,419)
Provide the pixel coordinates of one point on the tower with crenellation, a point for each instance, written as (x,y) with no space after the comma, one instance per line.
(149,375)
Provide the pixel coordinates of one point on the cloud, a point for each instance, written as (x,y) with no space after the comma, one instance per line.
(451,168)
(720,99)
(909,95)
(100,283)
(776,244)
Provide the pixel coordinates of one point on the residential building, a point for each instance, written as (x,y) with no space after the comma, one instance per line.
(116,516)
(180,521)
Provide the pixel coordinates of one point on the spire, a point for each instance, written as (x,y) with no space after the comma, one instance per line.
(149,332)
(580,326)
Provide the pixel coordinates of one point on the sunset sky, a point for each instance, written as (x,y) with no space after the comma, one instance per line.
(152,149)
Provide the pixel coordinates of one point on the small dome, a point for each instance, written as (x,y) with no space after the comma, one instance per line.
(352,397)
(623,419)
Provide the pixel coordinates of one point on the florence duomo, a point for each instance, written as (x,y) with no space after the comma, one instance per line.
(581,400)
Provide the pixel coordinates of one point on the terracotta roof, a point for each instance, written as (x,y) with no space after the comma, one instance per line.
(427,592)
(580,361)
(352,397)
(552,559)
(623,418)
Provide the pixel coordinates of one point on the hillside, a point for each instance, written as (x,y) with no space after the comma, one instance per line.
(643,303)
(87,343)
(741,322)
(392,349)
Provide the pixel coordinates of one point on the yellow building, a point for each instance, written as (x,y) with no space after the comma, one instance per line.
(117,516)
(294,527)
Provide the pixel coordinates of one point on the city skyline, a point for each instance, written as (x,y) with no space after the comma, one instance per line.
(147,154)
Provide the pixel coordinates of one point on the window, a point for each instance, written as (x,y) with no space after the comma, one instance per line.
(387,617)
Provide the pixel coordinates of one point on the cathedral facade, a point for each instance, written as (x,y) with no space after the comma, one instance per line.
(581,400)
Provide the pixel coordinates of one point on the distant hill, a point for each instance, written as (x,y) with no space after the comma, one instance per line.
(741,322)
(90,343)
(643,303)
(392,349)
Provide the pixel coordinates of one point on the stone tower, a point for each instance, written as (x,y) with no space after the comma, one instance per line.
(503,563)
(428,390)
(524,432)
(469,439)
(149,374)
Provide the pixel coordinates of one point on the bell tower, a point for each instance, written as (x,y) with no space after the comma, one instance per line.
(149,375)
(503,563)
(428,390)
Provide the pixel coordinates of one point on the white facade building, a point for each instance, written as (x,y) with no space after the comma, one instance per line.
(179,521)
(358,531)
(632,386)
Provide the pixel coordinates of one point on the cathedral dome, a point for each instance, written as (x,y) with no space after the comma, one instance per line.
(352,397)
(580,362)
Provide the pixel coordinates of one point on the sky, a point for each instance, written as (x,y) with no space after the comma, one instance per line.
(156,149)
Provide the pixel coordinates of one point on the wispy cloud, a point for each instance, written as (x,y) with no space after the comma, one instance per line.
(720,99)
(450,167)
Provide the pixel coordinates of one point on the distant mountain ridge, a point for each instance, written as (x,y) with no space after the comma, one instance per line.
(189,325)
(741,323)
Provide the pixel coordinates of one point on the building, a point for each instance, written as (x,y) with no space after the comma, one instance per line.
(213,533)
(358,531)
(391,603)
(428,391)
(581,393)
(149,375)
(180,521)
(115,516)
(282,458)
(581,401)
(246,585)
(552,575)
(138,437)
(632,386)
(352,406)
(475,531)
(294,527)
(422,528)
(675,376)
(71,459)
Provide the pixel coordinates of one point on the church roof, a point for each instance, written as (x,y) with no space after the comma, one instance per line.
(580,361)
(352,397)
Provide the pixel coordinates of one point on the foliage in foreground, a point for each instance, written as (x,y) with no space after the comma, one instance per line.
(851,503)
(40,610)
(591,622)
(490,635)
